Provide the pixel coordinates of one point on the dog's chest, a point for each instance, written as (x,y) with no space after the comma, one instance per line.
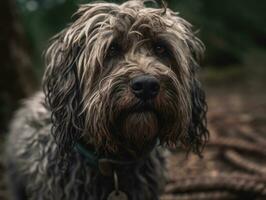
(144,182)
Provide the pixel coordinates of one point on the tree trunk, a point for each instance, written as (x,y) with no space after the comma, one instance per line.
(17,79)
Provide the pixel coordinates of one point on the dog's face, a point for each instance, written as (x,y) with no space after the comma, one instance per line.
(124,76)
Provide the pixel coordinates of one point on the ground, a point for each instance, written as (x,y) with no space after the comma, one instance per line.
(234,162)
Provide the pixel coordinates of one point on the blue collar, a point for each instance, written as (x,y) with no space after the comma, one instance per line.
(105,165)
(90,156)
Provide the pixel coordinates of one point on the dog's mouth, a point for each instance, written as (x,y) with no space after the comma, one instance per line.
(141,113)
(142,107)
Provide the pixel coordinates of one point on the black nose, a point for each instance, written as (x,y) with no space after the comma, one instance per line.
(145,87)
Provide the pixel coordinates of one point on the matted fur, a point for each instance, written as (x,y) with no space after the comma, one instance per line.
(87,98)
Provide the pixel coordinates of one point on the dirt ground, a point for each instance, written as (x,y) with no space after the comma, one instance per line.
(234,162)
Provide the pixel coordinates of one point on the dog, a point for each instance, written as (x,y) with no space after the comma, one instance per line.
(120,86)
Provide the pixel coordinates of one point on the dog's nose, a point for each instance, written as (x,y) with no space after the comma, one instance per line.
(145,87)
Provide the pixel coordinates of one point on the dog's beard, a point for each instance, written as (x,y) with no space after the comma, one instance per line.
(140,128)
(117,121)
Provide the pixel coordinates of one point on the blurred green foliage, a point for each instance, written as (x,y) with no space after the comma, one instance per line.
(228,28)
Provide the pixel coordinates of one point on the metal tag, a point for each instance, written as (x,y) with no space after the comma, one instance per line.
(117,195)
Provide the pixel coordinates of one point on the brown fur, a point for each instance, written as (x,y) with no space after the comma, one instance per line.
(87,86)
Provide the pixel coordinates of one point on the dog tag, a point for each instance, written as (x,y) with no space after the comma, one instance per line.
(117,195)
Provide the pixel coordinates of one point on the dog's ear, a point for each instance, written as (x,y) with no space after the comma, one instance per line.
(62,92)
(198,133)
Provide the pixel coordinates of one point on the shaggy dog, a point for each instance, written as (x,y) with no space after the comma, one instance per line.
(119,85)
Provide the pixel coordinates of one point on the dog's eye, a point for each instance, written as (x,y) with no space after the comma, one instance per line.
(160,49)
(114,50)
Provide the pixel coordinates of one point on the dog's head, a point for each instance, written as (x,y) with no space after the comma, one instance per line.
(124,76)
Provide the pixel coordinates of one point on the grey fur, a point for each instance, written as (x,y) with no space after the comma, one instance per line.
(87,99)
(33,161)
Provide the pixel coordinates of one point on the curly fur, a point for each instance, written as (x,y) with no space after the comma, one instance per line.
(87,99)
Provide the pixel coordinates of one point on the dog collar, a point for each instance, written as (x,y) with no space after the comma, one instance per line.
(90,156)
(106,165)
